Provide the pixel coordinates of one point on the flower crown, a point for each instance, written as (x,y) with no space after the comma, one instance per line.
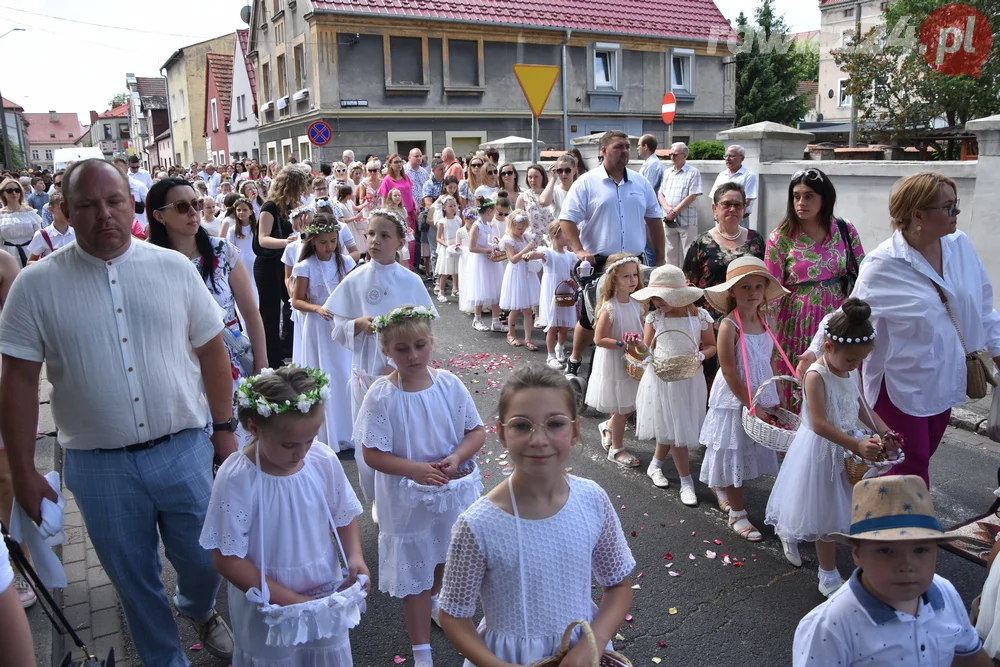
(324,203)
(382,322)
(246,397)
(390,214)
(315,229)
(621,262)
(841,339)
(470,213)
(296,212)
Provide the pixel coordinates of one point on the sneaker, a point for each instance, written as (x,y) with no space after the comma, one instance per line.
(499,327)
(829,588)
(688,496)
(214,635)
(552,362)
(561,353)
(572,367)
(791,551)
(479,325)
(442,298)
(24,592)
(660,480)
(454,294)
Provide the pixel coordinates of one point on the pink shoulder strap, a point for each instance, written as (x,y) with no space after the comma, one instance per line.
(743,350)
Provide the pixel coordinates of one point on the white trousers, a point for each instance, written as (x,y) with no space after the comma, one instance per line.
(678,240)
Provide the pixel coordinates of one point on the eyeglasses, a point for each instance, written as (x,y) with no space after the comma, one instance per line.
(184,207)
(372,170)
(673,155)
(476,165)
(951,210)
(521,429)
(565,170)
(507,173)
(58,184)
(731,204)
(491,172)
(809,174)
(340,171)
(396,162)
(12,191)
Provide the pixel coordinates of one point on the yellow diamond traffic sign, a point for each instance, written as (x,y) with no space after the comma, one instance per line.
(536,82)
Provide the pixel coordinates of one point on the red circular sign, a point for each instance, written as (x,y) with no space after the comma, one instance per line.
(956,39)
(669,108)
(320,133)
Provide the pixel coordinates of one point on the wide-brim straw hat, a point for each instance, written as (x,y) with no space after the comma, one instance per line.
(893,508)
(668,283)
(737,270)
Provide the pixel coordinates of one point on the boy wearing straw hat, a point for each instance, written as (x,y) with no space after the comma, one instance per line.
(894,609)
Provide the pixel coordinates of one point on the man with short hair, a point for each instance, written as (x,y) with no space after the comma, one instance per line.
(348,157)
(652,169)
(130,408)
(681,187)
(737,173)
(138,173)
(212,180)
(452,167)
(37,198)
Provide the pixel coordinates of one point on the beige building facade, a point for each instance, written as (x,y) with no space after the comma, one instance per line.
(837,26)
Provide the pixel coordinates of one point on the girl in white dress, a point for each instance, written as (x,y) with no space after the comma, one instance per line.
(530,549)
(240,234)
(672,412)
(447,238)
(426,474)
(209,221)
(557,268)
(320,269)
(812,497)
(301,218)
(731,457)
(373,289)
(486,275)
(618,328)
(464,241)
(18,221)
(283,514)
(520,290)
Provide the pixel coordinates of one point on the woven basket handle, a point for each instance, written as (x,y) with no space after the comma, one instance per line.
(763,386)
(572,286)
(683,333)
(588,633)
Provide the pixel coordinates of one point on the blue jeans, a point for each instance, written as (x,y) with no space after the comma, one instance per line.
(124,498)
(649,256)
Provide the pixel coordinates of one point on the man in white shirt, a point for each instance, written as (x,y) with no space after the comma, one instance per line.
(610,209)
(348,157)
(681,187)
(128,372)
(737,173)
(138,173)
(212,180)
(652,169)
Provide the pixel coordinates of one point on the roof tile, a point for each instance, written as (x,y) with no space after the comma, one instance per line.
(120,111)
(220,66)
(40,127)
(244,38)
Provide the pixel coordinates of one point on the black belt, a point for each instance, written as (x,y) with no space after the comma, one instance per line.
(142,446)
(20,251)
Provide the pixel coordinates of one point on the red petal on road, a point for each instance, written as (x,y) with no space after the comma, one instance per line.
(662,644)
(719,542)
(399,660)
(668,556)
(195,647)
(633,533)
(737,563)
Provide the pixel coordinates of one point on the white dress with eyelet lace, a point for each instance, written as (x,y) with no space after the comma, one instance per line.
(413,537)
(301,553)
(562,555)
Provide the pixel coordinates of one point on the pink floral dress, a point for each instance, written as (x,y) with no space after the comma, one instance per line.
(811,272)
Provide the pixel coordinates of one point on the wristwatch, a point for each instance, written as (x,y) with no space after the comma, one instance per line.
(226,426)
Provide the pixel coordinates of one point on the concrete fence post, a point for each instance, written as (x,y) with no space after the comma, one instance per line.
(979,219)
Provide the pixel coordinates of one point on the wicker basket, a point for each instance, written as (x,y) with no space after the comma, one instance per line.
(608,659)
(498,255)
(768,435)
(680,367)
(858,467)
(565,299)
(635,366)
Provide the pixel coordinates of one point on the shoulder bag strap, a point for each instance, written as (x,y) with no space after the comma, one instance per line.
(48,241)
(954,321)
(520,557)
(852,261)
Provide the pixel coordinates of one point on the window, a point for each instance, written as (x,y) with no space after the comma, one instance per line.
(34,154)
(70,135)
(173,107)
(272,152)
(265,77)
(275,6)
(123,131)
(107,132)
(849,13)
(605,69)
(241,107)
(279,33)
(682,71)
(406,63)
(305,149)
(843,99)
(298,54)
(48,153)
(465,69)
(280,71)
(186,153)
(215,116)
(183,107)
(52,136)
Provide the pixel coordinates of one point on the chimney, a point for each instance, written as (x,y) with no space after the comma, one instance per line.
(93,117)
(53,117)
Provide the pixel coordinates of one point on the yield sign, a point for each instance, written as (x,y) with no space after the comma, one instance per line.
(536,84)
(669,107)
(320,133)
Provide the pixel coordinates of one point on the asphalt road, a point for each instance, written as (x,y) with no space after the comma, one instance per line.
(712,613)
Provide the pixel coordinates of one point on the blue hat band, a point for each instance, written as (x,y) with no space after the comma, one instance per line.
(896,521)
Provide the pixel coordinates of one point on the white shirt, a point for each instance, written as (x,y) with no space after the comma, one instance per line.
(917,350)
(611,216)
(139,191)
(212,182)
(142,176)
(120,360)
(652,171)
(855,628)
(40,247)
(744,177)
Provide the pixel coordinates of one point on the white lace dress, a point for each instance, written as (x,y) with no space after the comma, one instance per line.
(447,262)
(16,231)
(562,556)
(609,389)
(811,497)
(556,267)
(486,277)
(731,457)
(245,246)
(520,288)
(422,426)
(320,350)
(671,413)
(464,273)
(301,553)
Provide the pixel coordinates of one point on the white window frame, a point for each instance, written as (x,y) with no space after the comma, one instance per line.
(173,108)
(285,143)
(34,154)
(215,115)
(272,151)
(393,137)
(683,87)
(183,107)
(843,100)
(611,52)
(305,149)
(48,153)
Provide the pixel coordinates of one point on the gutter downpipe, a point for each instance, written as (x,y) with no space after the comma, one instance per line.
(565,94)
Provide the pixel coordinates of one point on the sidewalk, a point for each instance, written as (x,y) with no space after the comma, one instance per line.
(972,416)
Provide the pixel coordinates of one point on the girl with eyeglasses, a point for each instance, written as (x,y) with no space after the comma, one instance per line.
(815,256)
(18,221)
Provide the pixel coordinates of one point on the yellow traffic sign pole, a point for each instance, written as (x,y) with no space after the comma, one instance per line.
(536,83)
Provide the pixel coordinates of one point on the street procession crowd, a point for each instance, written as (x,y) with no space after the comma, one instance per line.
(207,407)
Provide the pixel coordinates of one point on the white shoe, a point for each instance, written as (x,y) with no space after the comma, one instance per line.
(660,480)
(688,496)
(561,353)
(791,551)
(442,298)
(552,362)
(25,594)
(435,611)
(374,514)
(437,289)
(829,589)
(604,428)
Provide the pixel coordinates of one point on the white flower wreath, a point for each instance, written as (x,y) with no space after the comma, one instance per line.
(247,397)
(380,323)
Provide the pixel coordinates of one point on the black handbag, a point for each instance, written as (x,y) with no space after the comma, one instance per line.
(851,275)
(55,614)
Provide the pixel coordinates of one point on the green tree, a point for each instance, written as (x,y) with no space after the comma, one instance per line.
(767,71)
(806,60)
(897,93)
(118,100)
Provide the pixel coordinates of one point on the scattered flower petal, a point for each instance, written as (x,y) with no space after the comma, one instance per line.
(619,637)
(639,576)
(657,661)
(196,647)
(668,556)
(718,542)
(674,574)
(662,644)
(710,554)
(628,618)
(690,556)
(672,611)
(737,564)
(399,660)
(636,587)
(633,533)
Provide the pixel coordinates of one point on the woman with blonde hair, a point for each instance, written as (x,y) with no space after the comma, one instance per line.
(367,192)
(18,221)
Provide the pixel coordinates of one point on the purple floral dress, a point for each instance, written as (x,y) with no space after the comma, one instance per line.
(811,272)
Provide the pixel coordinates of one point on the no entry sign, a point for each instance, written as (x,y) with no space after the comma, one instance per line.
(669,108)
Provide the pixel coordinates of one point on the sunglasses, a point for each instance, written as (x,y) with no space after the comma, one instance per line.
(184,207)
(476,165)
(340,171)
(565,170)
(372,170)
(809,174)
(491,173)
(507,173)
(12,191)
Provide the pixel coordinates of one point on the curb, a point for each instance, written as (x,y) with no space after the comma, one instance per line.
(58,638)
(968,420)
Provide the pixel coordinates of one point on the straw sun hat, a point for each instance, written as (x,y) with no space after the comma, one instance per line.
(893,508)
(668,283)
(739,269)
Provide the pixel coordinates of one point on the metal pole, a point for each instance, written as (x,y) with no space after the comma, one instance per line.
(534,138)
(6,141)
(853,140)
(565,94)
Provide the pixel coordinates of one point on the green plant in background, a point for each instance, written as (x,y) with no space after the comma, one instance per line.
(706,150)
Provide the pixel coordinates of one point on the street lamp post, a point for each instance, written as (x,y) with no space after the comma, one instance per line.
(6,139)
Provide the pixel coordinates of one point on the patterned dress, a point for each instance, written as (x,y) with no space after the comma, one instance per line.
(226,256)
(706,263)
(811,272)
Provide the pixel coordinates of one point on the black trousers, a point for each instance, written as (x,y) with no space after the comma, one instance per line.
(269,274)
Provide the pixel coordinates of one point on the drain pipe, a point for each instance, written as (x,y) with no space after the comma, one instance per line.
(565,95)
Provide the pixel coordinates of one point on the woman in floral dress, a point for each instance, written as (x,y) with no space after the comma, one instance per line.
(808,254)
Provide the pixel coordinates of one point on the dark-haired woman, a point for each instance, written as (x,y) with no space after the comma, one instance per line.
(174,223)
(808,253)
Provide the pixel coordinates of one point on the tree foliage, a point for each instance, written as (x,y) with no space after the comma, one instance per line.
(118,100)
(706,150)
(897,92)
(806,60)
(767,71)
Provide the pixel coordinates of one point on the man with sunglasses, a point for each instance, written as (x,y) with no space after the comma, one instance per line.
(737,173)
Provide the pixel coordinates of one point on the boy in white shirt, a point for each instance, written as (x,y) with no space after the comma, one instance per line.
(894,609)
(52,237)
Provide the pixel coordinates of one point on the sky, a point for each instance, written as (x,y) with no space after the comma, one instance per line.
(79,67)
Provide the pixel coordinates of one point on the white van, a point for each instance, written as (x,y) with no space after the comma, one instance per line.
(63,156)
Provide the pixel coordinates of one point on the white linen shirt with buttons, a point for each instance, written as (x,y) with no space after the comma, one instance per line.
(915,339)
(855,628)
(118,340)
(611,216)
(744,177)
